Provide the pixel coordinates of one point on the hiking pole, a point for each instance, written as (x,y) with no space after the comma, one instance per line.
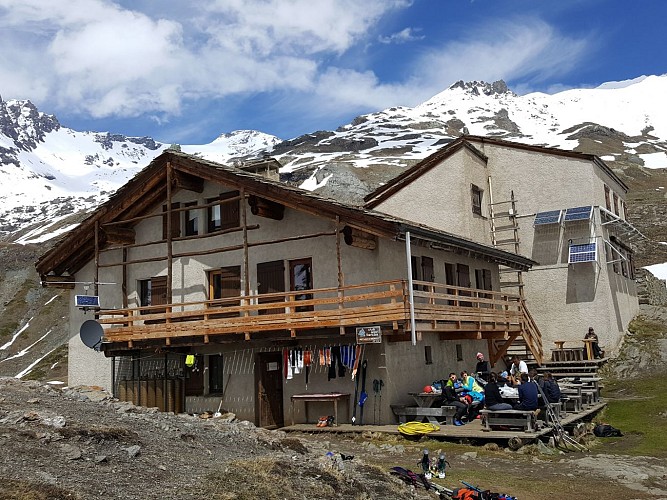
(376,388)
(381,384)
(558,430)
(363,396)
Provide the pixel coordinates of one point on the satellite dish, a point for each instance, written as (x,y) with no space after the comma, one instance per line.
(91,333)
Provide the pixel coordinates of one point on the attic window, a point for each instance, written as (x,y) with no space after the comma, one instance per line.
(476,195)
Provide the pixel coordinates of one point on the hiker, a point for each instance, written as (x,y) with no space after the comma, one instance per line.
(492,397)
(550,388)
(454,382)
(474,390)
(456,400)
(482,368)
(597,352)
(518,367)
(527,394)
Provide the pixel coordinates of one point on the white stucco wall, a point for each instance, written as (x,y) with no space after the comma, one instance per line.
(564,299)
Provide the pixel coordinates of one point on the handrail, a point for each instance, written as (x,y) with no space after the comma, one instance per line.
(384,302)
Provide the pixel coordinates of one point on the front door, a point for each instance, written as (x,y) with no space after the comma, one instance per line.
(269,390)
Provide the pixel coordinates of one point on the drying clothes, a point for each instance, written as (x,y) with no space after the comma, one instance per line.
(336,364)
(285,361)
(298,360)
(327,356)
(322,360)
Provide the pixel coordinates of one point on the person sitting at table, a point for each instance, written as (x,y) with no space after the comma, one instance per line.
(550,388)
(454,382)
(458,401)
(597,352)
(475,391)
(518,367)
(492,398)
(482,368)
(527,395)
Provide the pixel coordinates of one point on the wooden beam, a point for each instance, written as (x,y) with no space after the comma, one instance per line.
(360,239)
(188,182)
(66,282)
(119,235)
(266,208)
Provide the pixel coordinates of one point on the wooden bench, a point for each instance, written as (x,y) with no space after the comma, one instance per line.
(555,407)
(509,418)
(433,415)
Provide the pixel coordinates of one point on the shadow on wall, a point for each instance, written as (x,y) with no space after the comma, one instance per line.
(547,244)
(582,283)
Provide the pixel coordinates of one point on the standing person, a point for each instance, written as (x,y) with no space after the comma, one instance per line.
(527,395)
(597,352)
(518,367)
(492,398)
(482,368)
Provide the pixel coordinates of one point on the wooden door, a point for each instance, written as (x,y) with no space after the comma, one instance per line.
(428,272)
(270,279)
(269,390)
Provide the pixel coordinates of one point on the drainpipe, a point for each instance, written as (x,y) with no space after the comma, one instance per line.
(408,254)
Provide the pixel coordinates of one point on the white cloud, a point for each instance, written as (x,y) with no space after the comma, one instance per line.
(103,59)
(403,36)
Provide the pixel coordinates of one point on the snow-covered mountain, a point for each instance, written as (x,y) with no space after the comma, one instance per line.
(48,171)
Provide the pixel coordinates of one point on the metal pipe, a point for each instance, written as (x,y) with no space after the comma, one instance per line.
(408,254)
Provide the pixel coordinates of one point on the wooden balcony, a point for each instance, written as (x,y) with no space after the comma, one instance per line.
(454,312)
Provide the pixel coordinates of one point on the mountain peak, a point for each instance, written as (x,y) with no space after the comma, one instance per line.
(481,87)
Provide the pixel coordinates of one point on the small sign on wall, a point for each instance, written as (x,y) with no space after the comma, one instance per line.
(369,335)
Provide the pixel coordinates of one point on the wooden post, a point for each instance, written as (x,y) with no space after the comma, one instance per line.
(341,283)
(97,258)
(246,268)
(124,283)
(170,257)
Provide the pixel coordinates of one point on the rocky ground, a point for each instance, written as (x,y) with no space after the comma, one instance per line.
(80,443)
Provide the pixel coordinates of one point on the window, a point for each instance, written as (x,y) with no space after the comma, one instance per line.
(214,216)
(459,352)
(191,219)
(428,355)
(607,198)
(153,292)
(301,278)
(476,195)
(230,210)
(616,204)
(215,374)
(224,283)
(175,221)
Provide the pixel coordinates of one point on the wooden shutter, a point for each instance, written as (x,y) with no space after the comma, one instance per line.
(270,279)
(230,210)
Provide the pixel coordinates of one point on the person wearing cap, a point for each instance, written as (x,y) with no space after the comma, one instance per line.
(597,352)
(482,368)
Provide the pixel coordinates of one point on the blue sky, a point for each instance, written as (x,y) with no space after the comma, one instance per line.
(185,72)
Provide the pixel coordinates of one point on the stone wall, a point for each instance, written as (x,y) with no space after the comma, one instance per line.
(651,290)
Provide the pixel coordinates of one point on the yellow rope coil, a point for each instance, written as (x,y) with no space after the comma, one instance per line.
(415,428)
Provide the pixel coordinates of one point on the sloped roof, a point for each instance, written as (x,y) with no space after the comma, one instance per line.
(149,187)
(466,141)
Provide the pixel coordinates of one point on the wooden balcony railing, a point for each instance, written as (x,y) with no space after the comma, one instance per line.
(438,308)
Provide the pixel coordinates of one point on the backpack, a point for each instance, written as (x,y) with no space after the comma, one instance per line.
(606,430)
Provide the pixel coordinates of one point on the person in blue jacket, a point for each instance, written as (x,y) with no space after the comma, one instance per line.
(527,394)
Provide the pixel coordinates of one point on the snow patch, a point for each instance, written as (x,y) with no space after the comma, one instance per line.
(654,160)
(8,344)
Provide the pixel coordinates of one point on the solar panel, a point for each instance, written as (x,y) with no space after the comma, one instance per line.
(551,217)
(86,301)
(586,252)
(578,213)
